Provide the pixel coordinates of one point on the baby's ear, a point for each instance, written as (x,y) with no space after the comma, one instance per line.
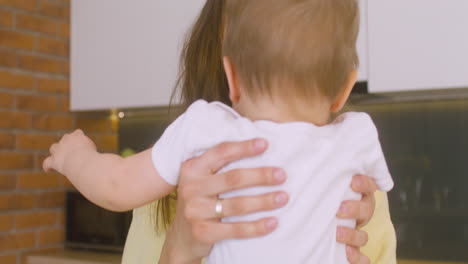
(343,96)
(234,92)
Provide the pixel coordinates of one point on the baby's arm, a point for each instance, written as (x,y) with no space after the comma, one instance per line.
(108,180)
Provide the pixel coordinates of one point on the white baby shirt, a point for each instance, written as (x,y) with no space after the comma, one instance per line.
(319,161)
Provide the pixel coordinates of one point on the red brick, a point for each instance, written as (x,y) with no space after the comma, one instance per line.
(16,80)
(7,58)
(53,122)
(65,68)
(10,119)
(51,200)
(53,46)
(6,119)
(64,182)
(61,218)
(34,141)
(8,259)
(28,5)
(38,180)
(17,241)
(64,30)
(37,24)
(65,2)
(40,64)
(35,219)
(12,161)
(6,100)
(52,236)
(22,120)
(6,222)
(7,141)
(7,182)
(107,143)
(16,40)
(17,201)
(53,85)
(63,104)
(39,159)
(6,18)
(52,9)
(36,103)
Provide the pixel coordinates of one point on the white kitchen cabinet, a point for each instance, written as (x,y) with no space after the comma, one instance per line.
(362,43)
(126,53)
(417,44)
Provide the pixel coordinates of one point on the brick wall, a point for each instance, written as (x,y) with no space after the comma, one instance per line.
(34,112)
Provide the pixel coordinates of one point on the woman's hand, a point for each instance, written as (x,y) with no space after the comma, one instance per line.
(196,227)
(362,211)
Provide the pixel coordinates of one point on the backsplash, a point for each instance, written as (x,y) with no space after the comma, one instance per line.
(426,147)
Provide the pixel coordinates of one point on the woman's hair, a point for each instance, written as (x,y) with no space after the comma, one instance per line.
(201,67)
(201,77)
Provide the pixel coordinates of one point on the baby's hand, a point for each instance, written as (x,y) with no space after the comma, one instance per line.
(75,143)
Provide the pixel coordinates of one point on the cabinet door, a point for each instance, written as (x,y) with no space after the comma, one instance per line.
(126,53)
(417,44)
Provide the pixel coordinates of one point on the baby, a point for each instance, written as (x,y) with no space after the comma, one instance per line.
(290,65)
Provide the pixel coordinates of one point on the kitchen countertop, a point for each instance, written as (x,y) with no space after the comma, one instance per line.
(427,262)
(75,257)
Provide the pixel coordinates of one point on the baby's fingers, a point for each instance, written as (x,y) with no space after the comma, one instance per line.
(53,148)
(47,164)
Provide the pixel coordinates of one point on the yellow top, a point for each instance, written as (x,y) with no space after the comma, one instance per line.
(381,247)
(144,245)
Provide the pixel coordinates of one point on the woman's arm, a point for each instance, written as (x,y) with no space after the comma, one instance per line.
(108,180)
(196,228)
(382,239)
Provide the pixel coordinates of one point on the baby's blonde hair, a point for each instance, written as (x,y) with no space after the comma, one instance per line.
(308,46)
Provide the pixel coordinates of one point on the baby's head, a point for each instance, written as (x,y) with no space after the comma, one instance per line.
(291,49)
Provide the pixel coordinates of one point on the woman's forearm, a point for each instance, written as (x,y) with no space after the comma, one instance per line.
(172,253)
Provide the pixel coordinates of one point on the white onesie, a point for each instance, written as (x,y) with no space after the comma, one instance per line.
(319,161)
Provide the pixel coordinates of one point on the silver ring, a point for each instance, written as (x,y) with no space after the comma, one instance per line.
(219,208)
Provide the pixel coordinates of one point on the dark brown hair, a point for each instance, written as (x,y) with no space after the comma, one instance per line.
(292,47)
(202,73)
(201,77)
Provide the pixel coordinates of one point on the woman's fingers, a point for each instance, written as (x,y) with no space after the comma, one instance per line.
(204,208)
(243,178)
(351,237)
(355,257)
(219,156)
(212,232)
(361,210)
(244,205)
(363,184)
